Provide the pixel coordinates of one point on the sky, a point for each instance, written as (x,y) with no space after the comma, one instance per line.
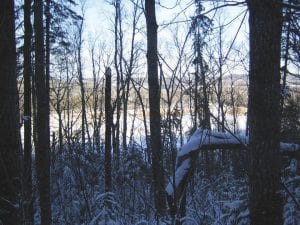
(99,19)
(99,13)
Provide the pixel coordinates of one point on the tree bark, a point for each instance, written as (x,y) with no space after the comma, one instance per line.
(265,22)
(108,126)
(42,149)
(9,129)
(82,90)
(27,172)
(154,103)
(47,63)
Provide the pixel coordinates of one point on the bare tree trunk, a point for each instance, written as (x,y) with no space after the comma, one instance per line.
(59,91)
(69,127)
(60,126)
(27,172)
(265,21)
(108,126)
(129,73)
(233,105)
(219,88)
(154,103)
(9,117)
(47,60)
(118,55)
(138,93)
(286,56)
(96,132)
(43,138)
(82,90)
(125,112)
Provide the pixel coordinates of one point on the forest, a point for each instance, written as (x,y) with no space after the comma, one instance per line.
(144,112)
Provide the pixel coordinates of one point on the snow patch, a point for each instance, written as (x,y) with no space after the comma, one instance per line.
(181,171)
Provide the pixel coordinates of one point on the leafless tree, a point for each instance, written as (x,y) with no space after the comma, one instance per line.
(154,103)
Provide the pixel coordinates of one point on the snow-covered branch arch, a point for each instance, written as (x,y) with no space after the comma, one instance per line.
(209,140)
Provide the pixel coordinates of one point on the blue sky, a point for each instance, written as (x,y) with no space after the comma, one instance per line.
(99,16)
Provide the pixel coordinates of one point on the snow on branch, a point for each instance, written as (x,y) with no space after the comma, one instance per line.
(210,140)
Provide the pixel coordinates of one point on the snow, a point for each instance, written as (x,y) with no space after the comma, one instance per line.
(205,139)
(199,139)
(181,171)
(234,205)
(26,118)
(194,142)
(288,147)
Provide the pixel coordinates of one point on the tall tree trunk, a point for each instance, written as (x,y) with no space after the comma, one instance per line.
(96,132)
(125,112)
(219,88)
(9,129)
(58,108)
(27,172)
(82,90)
(47,62)
(265,22)
(43,138)
(68,132)
(286,56)
(129,75)
(154,103)
(108,126)
(233,104)
(139,95)
(118,66)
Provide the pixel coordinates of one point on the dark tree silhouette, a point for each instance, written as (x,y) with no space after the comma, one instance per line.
(27,171)
(42,149)
(265,22)
(154,103)
(9,126)
(108,126)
